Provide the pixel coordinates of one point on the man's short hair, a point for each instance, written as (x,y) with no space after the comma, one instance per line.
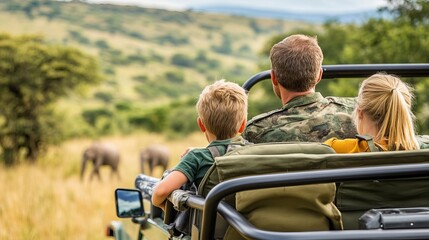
(222,107)
(296,62)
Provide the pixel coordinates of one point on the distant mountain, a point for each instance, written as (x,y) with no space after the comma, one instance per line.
(356,17)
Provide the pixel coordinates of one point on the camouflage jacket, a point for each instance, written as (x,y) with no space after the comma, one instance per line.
(309,118)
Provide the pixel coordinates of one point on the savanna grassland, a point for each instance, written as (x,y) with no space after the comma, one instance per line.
(48,201)
(153,64)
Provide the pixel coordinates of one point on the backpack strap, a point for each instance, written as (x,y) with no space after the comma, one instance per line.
(214,151)
(220,150)
(369,140)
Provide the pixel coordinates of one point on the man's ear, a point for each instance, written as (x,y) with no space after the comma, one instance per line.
(242,126)
(320,75)
(201,125)
(274,78)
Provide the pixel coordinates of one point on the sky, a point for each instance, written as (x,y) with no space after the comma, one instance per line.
(304,6)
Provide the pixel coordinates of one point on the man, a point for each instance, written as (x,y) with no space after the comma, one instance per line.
(306,116)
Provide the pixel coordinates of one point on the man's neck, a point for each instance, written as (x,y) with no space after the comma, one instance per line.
(287,96)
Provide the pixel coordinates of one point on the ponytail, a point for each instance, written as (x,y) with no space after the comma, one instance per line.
(387,101)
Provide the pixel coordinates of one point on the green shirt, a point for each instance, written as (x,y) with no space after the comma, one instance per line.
(197,161)
(308,118)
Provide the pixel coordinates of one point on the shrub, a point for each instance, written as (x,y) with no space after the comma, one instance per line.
(183,60)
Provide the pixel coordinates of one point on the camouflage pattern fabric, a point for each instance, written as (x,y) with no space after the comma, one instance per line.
(423,141)
(309,118)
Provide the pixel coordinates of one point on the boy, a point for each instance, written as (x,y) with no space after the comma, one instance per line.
(222,117)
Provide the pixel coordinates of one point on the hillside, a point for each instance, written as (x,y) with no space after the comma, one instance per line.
(150,58)
(148,55)
(319,17)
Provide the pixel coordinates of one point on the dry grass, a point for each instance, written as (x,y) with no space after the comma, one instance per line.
(48,201)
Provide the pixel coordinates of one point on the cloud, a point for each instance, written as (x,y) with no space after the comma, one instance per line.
(307,6)
(127,205)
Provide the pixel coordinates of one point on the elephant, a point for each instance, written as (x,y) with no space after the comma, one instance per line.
(154,155)
(101,154)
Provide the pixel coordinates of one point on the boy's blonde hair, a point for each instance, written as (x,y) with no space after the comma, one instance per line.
(387,101)
(222,107)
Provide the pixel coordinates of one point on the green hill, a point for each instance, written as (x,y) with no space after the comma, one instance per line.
(149,57)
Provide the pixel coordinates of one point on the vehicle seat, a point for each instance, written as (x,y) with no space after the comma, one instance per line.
(277,209)
(353,199)
(297,208)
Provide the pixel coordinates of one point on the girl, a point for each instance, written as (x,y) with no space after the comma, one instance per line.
(382,114)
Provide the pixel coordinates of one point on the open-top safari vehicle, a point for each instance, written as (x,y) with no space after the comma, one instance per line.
(294,190)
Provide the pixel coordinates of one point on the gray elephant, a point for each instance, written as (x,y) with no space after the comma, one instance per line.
(101,154)
(154,155)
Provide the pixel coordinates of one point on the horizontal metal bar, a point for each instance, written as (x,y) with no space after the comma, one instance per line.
(299,178)
(196,202)
(245,228)
(355,71)
(366,70)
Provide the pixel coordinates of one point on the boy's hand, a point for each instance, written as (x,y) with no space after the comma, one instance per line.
(186,151)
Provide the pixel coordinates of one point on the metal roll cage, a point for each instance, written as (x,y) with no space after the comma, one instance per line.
(212,203)
(355,71)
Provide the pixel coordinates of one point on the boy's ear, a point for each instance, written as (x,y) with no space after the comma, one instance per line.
(242,126)
(201,125)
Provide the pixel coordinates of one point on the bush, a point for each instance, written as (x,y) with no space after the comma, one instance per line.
(182,121)
(226,46)
(153,120)
(136,58)
(77,36)
(175,76)
(141,78)
(173,40)
(92,115)
(182,60)
(123,106)
(101,44)
(105,97)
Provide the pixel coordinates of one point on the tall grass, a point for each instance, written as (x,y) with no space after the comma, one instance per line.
(48,201)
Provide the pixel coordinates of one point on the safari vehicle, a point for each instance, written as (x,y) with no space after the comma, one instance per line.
(379,195)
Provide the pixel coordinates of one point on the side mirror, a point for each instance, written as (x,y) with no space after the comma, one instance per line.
(128,203)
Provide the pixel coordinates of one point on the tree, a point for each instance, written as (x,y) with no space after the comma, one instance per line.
(401,38)
(33,75)
(413,11)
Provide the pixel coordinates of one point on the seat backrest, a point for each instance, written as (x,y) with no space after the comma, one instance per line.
(296,208)
(353,199)
(299,208)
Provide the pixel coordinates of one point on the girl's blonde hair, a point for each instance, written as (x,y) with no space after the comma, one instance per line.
(222,107)
(387,101)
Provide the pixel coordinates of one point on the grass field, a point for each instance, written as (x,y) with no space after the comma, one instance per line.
(48,201)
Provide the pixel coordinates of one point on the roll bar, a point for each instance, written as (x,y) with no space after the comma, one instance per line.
(354,71)
(214,197)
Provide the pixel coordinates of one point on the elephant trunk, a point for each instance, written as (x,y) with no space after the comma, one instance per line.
(84,160)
